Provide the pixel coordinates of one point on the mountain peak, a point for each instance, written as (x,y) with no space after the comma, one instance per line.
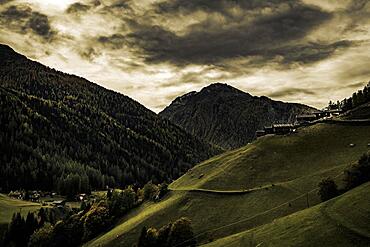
(226,116)
(220,87)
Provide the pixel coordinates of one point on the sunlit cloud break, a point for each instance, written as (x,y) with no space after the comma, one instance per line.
(305,51)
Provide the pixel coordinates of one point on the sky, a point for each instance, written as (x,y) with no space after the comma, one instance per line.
(306,51)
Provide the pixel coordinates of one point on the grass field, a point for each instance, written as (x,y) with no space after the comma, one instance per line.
(342,221)
(282,173)
(9,206)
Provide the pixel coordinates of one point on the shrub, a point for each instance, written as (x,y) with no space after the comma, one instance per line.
(148,238)
(327,189)
(42,237)
(95,221)
(180,233)
(150,191)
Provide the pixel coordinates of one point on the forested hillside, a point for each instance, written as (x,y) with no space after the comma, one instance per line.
(228,117)
(62,132)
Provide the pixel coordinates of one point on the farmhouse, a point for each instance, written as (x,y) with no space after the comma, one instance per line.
(303,119)
(260,133)
(279,129)
(321,114)
(269,130)
(282,129)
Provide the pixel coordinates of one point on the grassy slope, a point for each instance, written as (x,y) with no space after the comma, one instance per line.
(9,206)
(342,221)
(294,164)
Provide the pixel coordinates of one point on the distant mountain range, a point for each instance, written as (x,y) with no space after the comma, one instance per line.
(62,132)
(228,117)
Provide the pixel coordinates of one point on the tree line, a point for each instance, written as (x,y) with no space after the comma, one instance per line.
(63,133)
(358,98)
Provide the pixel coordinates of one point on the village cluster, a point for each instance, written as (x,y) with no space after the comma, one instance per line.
(301,120)
(47,198)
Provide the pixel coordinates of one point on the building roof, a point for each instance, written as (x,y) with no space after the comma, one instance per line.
(307,116)
(283,126)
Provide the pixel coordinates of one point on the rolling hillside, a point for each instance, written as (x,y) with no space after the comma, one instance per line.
(228,117)
(62,132)
(342,221)
(250,187)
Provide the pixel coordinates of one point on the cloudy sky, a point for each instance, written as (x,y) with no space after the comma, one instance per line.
(308,51)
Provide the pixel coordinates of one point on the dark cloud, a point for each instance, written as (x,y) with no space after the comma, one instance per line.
(123,4)
(23,18)
(277,34)
(220,6)
(288,92)
(5,1)
(39,23)
(89,53)
(115,41)
(310,52)
(77,8)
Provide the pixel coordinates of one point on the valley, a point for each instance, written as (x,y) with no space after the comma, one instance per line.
(281,172)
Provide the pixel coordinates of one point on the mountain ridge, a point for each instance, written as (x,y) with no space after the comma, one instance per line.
(63,129)
(228,117)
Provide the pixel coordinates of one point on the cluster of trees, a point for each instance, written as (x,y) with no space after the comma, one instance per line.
(356,175)
(72,228)
(75,229)
(51,123)
(20,229)
(179,234)
(358,98)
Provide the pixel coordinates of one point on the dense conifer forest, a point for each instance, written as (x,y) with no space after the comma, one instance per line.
(62,132)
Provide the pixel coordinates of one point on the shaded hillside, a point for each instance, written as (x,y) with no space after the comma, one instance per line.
(60,131)
(251,186)
(228,117)
(360,112)
(342,221)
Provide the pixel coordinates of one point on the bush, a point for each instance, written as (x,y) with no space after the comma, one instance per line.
(42,237)
(150,191)
(180,233)
(122,201)
(163,190)
(327,189)
(148,238)
(95,221)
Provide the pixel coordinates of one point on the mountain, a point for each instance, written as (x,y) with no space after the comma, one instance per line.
(261,192)
(228,117)
(63,132)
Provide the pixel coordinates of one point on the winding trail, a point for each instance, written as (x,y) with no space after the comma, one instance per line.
(225,192)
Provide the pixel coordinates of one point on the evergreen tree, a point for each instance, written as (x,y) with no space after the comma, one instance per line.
(31,223)
(16,234)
